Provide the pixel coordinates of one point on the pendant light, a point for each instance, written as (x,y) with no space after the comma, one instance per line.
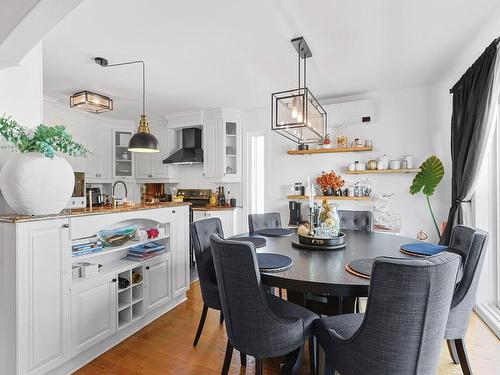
(296,114)
(142,141)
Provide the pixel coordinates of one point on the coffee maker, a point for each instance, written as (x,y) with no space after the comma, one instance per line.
(295,208)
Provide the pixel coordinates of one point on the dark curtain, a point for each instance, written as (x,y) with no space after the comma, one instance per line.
(473,97)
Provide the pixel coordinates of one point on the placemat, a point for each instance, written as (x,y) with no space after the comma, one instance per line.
(269,262)
(422,249)
(257,241)
(360,267)
(276,232)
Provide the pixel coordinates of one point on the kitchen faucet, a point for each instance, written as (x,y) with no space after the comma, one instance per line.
(113,191)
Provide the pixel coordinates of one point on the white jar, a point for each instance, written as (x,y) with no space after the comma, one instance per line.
(351,167)
(409,161)
(395,164)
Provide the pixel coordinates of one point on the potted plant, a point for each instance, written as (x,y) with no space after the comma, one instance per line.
(36,181)
(430,175)
(330,182)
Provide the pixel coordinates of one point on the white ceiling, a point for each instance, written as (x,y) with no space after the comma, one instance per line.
(234,53)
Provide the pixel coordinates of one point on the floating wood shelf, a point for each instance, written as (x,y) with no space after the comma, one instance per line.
(384,171)
(329,197)
(329,150)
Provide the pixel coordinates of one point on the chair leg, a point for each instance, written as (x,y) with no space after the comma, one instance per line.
(313,359)
(258,366)
(227,359)
(243,359)
(221,318)
(463,357)
(201,324)
(291,363)
(452,349)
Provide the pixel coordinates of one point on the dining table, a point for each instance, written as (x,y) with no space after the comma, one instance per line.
(323,272)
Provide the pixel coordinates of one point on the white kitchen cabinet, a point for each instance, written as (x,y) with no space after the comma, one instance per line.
(43,296)
(228,218)
(157,282)
(179,245)
(222,147)
(99,164)
(93,312)
(150,166)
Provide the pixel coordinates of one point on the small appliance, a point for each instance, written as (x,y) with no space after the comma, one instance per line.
(298,188)
(78,198)
(295,212)
(95,197)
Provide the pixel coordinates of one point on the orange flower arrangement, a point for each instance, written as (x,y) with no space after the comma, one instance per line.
(329,180)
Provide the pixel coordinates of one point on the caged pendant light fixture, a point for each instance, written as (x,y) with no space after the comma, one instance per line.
(142,141)
(296,114)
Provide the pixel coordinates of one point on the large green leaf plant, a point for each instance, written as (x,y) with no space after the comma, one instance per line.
(44,139)
(430,175)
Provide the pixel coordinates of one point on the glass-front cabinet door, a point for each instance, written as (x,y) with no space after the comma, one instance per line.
(123,167)
(232,149)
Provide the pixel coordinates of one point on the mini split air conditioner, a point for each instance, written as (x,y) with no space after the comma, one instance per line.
(350,113)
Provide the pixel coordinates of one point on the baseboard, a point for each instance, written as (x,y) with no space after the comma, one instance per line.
(490,315)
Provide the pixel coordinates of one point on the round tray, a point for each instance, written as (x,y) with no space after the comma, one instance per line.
(257,241)
(295,243)
(318,241)
(269,262)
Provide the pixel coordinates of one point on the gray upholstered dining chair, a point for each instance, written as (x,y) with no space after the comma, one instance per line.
(258,323)
(200,232)
(470,244)
(269,220)
(401,331)
(356,220)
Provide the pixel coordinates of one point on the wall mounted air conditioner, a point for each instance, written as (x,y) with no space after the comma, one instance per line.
(357,112)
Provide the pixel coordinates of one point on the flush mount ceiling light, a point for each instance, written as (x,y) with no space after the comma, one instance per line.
(296,114)
(143,140)
(91,102)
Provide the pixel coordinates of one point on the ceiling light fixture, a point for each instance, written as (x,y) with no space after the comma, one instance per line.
(91,102)
(296,114)
(143,140)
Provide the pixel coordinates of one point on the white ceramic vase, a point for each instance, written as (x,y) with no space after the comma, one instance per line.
(33,184)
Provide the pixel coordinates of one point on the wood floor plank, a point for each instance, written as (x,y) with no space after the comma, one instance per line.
(166,347)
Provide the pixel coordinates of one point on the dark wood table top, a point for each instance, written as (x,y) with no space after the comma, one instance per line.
(323,272)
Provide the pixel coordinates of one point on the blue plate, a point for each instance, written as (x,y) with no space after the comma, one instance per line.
(422,249)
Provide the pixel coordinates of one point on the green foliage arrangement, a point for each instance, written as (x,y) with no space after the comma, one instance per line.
(44,139)
(430,175)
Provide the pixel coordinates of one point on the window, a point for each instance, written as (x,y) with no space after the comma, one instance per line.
(257,175)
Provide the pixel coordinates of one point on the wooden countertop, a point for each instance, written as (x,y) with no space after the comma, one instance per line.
(14,218)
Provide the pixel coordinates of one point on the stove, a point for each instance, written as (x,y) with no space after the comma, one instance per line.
(197,198)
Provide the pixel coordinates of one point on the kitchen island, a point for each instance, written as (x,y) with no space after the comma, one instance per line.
(52,321)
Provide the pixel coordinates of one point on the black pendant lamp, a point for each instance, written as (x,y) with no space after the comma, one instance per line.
(142,141)
(296,114)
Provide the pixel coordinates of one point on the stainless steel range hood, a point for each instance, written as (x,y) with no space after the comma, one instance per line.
(191,151)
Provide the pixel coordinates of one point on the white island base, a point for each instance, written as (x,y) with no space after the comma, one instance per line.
(53,324)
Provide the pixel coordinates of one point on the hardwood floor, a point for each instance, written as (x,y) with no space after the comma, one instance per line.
(165,347)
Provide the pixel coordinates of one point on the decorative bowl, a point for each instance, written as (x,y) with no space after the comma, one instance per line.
(118,236)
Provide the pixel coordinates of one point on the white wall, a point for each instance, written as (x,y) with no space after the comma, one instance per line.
(405,123)
(21,97)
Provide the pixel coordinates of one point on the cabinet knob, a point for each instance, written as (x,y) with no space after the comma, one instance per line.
(113,280)
(147,267)
(65,225)
(173,211)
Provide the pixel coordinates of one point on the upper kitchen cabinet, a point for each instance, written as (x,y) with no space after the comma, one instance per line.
(99,140)
(222,147)
(150,165)
(123,163)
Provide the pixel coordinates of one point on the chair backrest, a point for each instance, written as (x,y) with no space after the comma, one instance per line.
(269,220)
(470,244)
(405,319)
(200,232)
(356,220)
(251,326)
